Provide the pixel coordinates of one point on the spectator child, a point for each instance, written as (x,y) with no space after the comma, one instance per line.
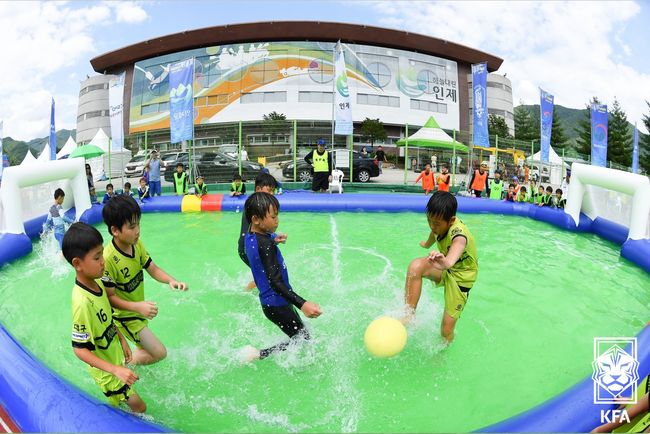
(93,196)
(180,180)
(496,187)
(200,189)
(523,194)
(237,187)
(511,195)
(559,201)
(547,199)
(540,195)
(143,190)
(443,179)
(127,189)
(109,193)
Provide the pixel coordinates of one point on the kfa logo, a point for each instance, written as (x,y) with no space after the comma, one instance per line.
(615,375)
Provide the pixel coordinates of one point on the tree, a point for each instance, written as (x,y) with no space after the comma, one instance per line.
(584,129)
(372,130)
(619,138)
(644,144)
(497,126)
(558,138)
(275,123)
(524,127)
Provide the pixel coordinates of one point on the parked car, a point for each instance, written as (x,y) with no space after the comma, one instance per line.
(215,167)
(231,149)
(135,166)
(169,157)
(364,168)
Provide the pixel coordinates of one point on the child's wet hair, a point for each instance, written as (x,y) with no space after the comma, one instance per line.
(127,185)
(80,239)
(511,185)
(58,193)
(259,205)
(109,185)
(559,190)
(265,180)
(120,210)
(549,189)
(523,188)
(442,204)
(236,177)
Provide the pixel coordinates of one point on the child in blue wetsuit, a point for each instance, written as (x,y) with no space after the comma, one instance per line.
(270,273)
(56,218)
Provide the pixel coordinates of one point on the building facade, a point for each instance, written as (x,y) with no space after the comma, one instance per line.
(92,111)
(499,99)
(243,72)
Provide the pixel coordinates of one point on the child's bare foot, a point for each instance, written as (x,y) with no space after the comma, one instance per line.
(251,285)
(248,354)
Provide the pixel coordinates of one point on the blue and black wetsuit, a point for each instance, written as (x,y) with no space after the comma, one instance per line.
(276,295)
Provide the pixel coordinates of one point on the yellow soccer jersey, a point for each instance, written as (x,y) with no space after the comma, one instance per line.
(465,270)
(93,327)
(126,272)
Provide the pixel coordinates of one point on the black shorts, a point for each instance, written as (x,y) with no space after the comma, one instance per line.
(477,193)
(321,181)
(288,320)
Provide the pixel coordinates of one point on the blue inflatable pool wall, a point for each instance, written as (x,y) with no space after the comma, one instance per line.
(39,400)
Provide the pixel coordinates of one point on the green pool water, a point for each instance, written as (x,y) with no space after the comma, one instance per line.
(526,335)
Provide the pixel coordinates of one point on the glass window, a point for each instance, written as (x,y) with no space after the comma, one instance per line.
(221,99)
(149,108)
(320,70)
(379,100)
(429,106)
(381,72)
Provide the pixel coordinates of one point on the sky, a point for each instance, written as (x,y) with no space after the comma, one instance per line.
(574,50)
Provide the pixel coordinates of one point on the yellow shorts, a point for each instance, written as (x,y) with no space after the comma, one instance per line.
(131,328)
(112,387)
(455,299)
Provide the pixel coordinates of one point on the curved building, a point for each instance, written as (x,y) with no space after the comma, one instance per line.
(245,71)
(92,112)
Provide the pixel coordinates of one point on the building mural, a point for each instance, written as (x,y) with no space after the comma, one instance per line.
(243,81)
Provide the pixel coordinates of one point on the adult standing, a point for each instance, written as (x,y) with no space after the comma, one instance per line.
(380,156)
(153,164)
(479,181)
(244,154)
(565,184)
(321,160)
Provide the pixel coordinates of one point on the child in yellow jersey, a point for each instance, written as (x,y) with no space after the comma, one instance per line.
(455,266)
(95,339)
(126,257)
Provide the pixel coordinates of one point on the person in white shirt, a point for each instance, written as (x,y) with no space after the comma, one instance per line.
(244,154)
(565,184)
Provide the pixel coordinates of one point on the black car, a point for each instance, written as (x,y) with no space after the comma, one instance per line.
(364,169)
(215,167)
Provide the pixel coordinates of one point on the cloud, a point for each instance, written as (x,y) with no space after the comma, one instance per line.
(571,49)
(129,12)
(40,41)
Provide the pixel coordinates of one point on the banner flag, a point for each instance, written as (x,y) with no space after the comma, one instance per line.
(115,111)
(480,135)
(635,151)
(342,107)
(599,135)
(181,100)
(546,123)
(52,134)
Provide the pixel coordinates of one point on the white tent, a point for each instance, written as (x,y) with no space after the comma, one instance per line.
(557,165)
(67,149)
(45,154)
(118,159)
(29,158)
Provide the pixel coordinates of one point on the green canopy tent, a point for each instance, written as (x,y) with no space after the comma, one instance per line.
(433,137)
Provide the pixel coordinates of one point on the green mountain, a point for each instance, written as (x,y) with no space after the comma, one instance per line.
(569,117)
(17,149)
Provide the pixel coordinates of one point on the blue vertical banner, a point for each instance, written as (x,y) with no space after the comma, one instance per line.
(635,151)
(480,135)
(181,100)
(342,106)
(599,135)
(545,123)
(52,134)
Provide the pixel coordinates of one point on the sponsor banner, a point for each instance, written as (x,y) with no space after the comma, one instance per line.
(181,100)
(599,135)
(342,107)
(115,111)
(546,123)
(480,135)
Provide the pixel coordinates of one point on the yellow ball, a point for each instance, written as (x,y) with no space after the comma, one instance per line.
(385,337)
